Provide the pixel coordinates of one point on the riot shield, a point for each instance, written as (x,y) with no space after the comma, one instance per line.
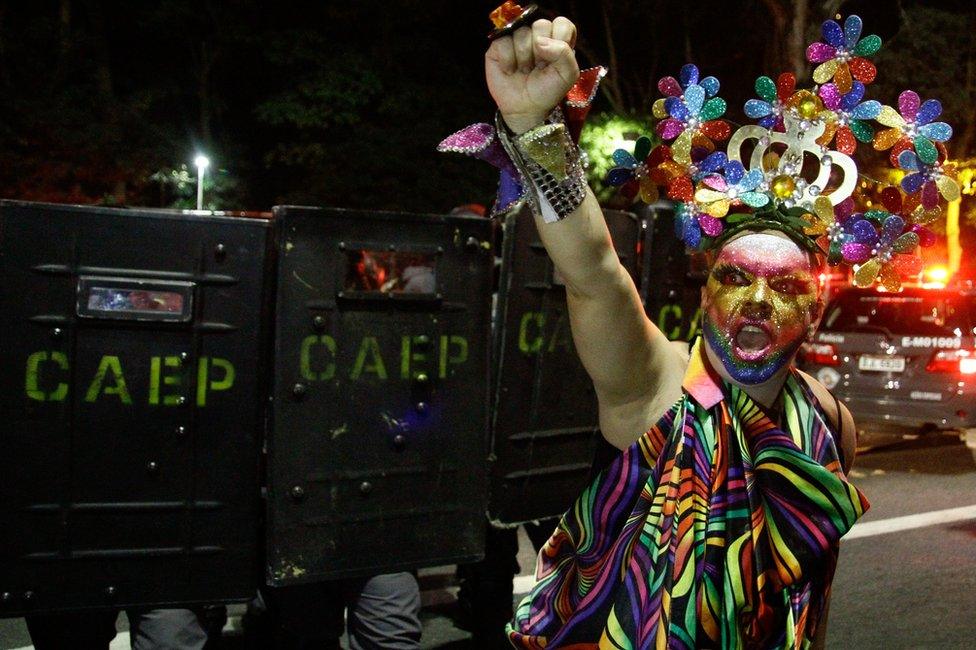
(130,405)
(671,279)
(545,415)
(377,456)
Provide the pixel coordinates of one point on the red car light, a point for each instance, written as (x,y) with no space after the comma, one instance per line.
(961,361)
(967,366)
(823,354)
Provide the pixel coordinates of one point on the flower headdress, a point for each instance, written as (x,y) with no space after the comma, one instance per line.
(800,175)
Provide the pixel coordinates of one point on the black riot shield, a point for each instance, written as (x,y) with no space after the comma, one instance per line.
(545,415)
(671,278)
(377,455)
(129,406)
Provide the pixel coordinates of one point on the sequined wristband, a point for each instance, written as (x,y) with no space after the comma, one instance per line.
(547,157)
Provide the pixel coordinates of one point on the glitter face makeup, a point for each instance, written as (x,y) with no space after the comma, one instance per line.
(760,299)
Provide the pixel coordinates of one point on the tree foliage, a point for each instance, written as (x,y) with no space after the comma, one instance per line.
(343,103)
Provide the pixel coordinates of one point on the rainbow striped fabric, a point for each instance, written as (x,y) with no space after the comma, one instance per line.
(717,529)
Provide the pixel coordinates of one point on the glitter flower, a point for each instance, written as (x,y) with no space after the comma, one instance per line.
(656,170)
(635,173)
(887,255)
(768,109)
(841,54)
(928,175)
(822,216)
(691,225)
(912,119)
(835,224)
(718,192)
(671,87)
(848,125)
(707,165)
(690,120)
(911,209)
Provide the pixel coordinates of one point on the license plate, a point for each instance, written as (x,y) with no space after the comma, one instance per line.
(881,364)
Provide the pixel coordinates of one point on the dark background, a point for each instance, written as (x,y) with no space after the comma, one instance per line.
(342,104)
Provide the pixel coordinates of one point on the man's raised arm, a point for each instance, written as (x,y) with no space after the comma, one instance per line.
(635,370)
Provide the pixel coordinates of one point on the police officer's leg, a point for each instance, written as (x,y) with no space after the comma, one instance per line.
(89,630)
(485,596)
(258,623)
(306,617)
(213,618)
(386,613)
(539,533)
(166,629)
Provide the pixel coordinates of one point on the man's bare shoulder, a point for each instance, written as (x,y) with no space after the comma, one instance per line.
(842,421)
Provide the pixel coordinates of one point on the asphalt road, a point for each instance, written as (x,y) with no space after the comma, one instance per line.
(907,572)
(914,588)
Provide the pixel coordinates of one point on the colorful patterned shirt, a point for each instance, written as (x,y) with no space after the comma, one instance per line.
(718,528)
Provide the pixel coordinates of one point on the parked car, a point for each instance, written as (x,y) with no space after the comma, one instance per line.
(900,360)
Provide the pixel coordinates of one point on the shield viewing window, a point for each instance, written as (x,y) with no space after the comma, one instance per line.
(391,272)
(127,299)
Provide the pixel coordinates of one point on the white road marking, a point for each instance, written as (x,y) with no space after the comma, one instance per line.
(909,522)
(524,584)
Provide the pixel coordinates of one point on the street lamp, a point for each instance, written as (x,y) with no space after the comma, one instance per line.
(202,162)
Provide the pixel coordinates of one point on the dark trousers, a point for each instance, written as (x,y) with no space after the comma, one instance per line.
(149,629)
(486,593)
(383,612)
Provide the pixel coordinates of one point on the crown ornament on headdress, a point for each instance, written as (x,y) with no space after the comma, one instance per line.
(800,173)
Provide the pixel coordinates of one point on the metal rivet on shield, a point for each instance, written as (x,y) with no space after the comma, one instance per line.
(56,332)
(28,596)
(220,251)
(365,488)
(298,390)
(342,245)
(181,400)
(184,356)
(297,493)
(421,407)
(110,591)
(399,441)
(319,322)
(473,244)
(152,467)
(421,378)
(181,431)
(422,341)
(6,597)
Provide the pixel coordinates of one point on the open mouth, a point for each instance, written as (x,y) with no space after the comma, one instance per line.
(752,342)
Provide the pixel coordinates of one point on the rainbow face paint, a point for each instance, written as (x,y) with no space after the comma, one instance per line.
(760,299)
